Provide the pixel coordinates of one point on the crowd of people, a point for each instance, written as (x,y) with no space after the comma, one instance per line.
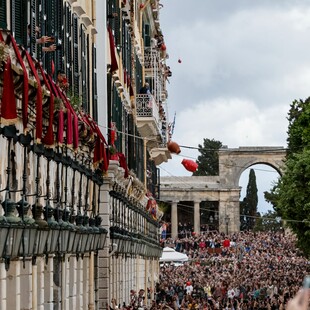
(245,270)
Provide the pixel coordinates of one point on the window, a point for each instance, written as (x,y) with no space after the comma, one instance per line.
(84,67)
(19,21)
(95,94)
(76,71)
(3,23)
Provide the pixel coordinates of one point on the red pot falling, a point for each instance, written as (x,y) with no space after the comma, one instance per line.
(173,147)
(189,165)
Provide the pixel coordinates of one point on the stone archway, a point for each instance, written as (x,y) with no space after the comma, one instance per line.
(223,188)
(232,162)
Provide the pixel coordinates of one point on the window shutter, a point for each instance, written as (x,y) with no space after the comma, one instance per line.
(146,37)
(84,57)
(117,29)
(19,21)
(59,34)
(94,90)
(3,23)
(76,73)
(34,14)
(68,42)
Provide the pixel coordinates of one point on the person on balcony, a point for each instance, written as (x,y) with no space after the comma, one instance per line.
(145,89)
(40,40)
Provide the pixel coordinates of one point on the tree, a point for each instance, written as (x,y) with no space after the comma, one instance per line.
(268,222)
(292,193)
(248,207)
(208,161)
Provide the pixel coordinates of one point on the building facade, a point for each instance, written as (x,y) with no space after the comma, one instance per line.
(84,123)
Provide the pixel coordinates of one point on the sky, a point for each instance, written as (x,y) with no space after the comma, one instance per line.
(242,64)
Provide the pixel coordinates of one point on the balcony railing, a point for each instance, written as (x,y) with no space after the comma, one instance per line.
(148,117)
(151,59)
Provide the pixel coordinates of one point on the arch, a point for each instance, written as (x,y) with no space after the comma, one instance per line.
(232,162)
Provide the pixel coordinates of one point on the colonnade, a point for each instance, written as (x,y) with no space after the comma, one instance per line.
(228,215)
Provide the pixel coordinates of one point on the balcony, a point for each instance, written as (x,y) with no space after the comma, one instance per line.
(149,123)
(151,126)
(151,59)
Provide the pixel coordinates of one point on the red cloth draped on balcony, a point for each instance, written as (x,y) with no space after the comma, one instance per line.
(69,134)
(101,154)
(98,155)
(48,139)
(60,129)
(39,112)
(52,67)
(123,163)
(25,81)
(8,102)
(60,125)
(114,65)
(75,131)
(125,76)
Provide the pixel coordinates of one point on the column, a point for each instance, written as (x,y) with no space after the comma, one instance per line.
(197,217)
(40,287)
(105,262)
(49,285)
(174,219)
(72,284)
(13,286)
(3,290)
(25,282)
(91,305)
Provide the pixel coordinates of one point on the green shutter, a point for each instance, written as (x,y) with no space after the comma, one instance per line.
(34,15)
(84,56)
(3,23)
(146,35)
(94,89)
(59,34)
(76,71)
(68,43)
(19,21)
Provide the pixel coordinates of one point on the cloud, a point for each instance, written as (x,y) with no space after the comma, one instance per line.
(243,63)
(233,121)
(247,54)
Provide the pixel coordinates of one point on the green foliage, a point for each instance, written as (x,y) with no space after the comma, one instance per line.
(166,209)
(248,207)
(208,161)
(291,196)
(298,128)
(294,197)
(75,100)
(268,222)
(163,206)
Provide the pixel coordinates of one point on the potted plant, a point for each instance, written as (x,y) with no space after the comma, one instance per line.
(113,152)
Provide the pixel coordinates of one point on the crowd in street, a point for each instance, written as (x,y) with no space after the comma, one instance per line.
(245,270)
